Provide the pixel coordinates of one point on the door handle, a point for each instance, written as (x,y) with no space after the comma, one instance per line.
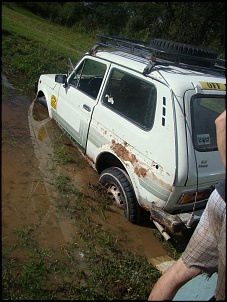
(86,107)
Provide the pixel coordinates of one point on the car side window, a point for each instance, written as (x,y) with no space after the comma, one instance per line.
(132,98)
(88,77)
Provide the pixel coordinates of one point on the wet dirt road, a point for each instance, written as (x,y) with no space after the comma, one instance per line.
(29,188)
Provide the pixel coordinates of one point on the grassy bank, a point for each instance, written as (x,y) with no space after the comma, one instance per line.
(32,46)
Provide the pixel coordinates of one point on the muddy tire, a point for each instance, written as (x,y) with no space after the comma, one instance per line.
(184,49)
(120,190)
(42,101)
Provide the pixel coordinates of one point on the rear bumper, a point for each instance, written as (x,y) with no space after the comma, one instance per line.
(175,223)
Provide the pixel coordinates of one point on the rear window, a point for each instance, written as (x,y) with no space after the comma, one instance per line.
(204,111)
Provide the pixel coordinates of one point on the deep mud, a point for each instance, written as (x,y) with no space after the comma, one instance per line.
(30,198)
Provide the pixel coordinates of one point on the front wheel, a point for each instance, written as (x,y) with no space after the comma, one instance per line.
(120,190)
(42,101)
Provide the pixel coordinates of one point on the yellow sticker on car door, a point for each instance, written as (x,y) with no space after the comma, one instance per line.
(53,101)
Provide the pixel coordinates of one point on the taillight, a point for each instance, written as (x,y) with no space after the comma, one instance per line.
(190,197)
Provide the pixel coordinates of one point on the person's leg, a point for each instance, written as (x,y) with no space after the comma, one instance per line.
(202,249)
(220,289)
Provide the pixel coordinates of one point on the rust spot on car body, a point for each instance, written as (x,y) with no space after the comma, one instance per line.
(126,155)
(123,153)
(141,171)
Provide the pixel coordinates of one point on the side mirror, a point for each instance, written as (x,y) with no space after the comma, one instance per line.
(61,78)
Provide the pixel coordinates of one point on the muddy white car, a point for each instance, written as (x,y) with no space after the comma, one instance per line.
(143,115)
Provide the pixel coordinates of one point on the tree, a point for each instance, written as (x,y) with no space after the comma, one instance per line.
(198,23)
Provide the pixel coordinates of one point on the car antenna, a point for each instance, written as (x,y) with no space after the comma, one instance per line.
(71,64)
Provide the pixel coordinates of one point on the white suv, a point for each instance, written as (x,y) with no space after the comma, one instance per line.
(144,117)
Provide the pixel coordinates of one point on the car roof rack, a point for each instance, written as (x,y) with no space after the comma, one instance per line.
(157,56)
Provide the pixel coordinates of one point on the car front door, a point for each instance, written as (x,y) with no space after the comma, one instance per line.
(77,98)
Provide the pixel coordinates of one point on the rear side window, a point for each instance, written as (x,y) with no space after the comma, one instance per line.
(204,111)
(131,98)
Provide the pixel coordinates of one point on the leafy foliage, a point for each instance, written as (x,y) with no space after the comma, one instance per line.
(198,23)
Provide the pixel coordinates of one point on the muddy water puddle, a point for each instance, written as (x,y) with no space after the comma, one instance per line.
(30,192)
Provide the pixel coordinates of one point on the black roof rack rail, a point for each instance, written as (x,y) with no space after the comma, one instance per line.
(158,56)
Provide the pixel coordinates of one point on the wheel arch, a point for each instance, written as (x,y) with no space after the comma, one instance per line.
(41,97)
(107,160)
(40,93)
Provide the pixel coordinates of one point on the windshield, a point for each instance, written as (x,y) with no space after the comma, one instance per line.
(204,111)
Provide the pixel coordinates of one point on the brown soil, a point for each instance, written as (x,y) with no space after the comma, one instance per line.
(30,199)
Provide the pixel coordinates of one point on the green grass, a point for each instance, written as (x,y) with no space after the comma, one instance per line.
(32,46)
(63,157)
(23,61)
(80,274)
(65,42)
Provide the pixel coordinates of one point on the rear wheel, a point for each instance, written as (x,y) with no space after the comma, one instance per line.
(120,190)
